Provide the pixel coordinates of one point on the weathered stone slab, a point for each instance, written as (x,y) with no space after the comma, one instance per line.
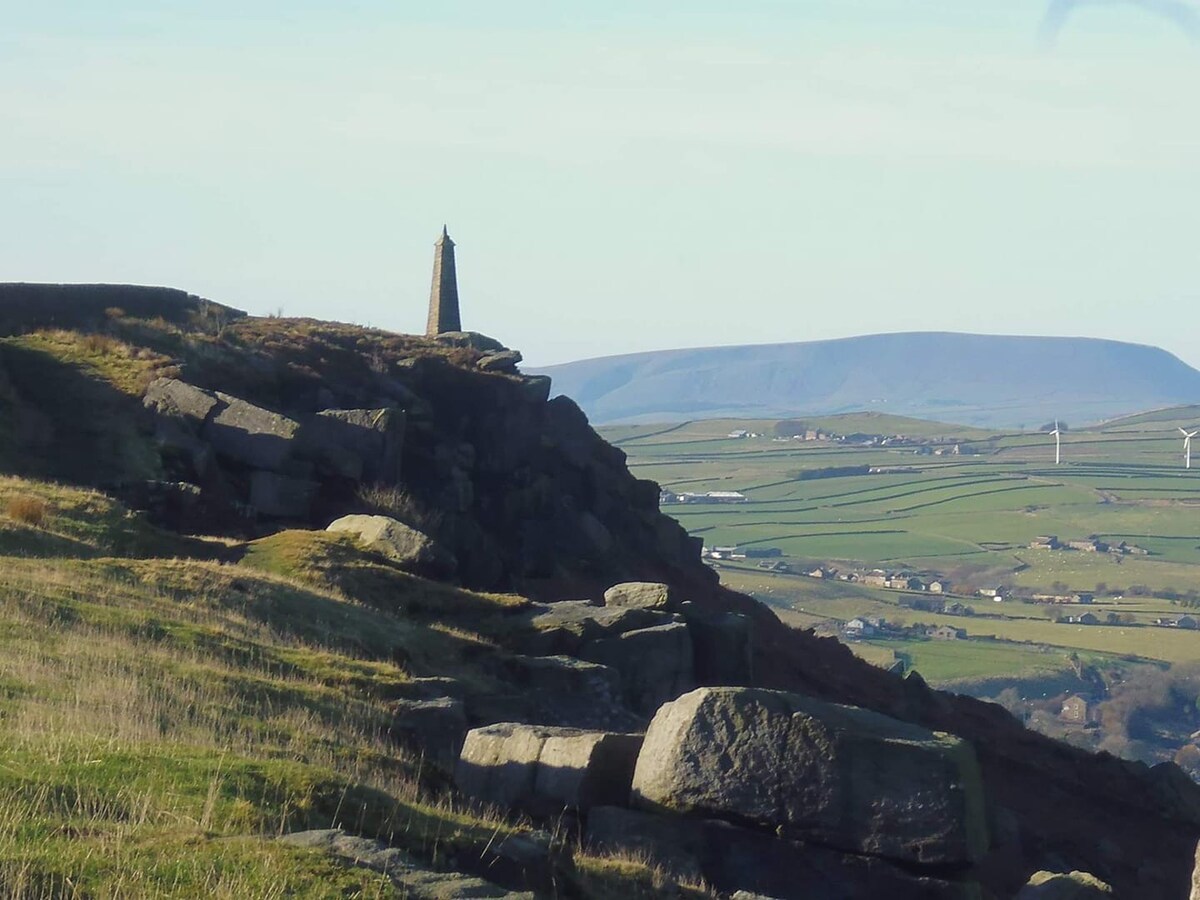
(180,400)
(565,626)
(397,541)
(500,361)
(250,434)
(544,769)
(655,664)
(841,776)
(639,595)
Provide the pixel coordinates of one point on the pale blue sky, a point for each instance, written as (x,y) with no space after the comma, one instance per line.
(619,176)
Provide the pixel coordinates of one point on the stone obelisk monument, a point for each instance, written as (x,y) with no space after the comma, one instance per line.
(443,296)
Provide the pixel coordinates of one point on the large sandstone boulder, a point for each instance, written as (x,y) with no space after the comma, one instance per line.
(837,775)
(639,595)
(180,400)
(543,769)
(251,435)
(1068,886)
(397,541)
(655,664)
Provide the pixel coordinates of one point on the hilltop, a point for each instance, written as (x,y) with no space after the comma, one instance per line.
(983,380)
(200,680)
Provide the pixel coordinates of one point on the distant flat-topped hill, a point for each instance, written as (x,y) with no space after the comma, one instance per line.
(989,380)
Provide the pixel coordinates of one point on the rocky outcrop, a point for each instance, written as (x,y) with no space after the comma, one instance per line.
(833,775)
(274,465)
(567,626)
(248,434)
(407,546)
(530,500)
(744,862)
(547,769)
(364,445)
(565,691)
(655,664)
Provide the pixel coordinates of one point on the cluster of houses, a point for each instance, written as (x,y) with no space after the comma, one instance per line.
(669,497)
(896,581)
(875,626)
(1086,545)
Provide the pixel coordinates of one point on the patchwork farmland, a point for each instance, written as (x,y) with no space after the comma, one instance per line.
(960,505)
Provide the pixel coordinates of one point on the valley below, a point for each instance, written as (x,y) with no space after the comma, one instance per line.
(967,554)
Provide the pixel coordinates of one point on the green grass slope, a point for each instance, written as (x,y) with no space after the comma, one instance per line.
(168,712)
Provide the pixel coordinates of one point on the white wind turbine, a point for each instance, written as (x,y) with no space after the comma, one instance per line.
(1187,447)
(1057,432)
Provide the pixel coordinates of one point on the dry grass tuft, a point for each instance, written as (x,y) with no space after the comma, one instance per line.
(28,510)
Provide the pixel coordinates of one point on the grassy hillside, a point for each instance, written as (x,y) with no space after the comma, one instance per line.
(169,711)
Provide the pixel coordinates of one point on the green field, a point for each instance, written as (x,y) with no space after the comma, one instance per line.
(966,516)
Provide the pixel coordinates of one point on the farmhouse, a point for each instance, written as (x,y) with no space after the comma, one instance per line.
(1077,710)
(859,627)
(1085,619)
(875,579)
(1044,542)
(948,633)
(1129,549)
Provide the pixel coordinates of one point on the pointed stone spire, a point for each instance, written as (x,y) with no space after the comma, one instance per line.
(443,296)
